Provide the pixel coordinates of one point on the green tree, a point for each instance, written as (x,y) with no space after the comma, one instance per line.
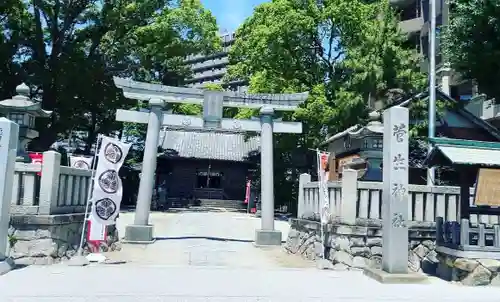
(13,17)
(348,54)
(71,50)
(472,42)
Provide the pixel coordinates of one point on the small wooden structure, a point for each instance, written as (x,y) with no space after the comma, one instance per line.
(360,148)
(476,162)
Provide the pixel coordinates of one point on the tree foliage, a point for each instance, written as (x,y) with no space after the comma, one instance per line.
(347,53)
(68,51)
(472,42)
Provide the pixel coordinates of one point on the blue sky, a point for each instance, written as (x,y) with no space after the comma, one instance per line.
(231,13)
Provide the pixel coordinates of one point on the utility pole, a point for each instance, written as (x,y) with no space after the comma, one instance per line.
(432,85)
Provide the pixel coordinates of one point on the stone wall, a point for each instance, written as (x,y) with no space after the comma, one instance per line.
(360,245)
(48,239)
(471,272)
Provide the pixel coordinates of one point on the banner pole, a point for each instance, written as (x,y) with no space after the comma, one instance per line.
(93,168)
(320,187)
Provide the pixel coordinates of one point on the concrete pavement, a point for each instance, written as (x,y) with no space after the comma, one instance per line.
(210,257)
(190,283)
(205,239)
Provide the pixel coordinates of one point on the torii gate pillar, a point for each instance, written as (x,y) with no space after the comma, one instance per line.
(267,235)
(141,231)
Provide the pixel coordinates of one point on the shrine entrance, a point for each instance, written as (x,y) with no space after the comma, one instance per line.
(212,120)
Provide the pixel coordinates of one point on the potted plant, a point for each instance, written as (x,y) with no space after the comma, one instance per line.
(12,241)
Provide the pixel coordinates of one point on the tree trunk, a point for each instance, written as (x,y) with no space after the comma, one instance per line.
(91,139)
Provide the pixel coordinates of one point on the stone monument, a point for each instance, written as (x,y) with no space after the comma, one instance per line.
(395,201)
(9,132)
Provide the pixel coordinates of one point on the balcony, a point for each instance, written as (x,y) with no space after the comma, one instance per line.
(412,25)
(209,64)
(207,76)
(485,109)
(191,59)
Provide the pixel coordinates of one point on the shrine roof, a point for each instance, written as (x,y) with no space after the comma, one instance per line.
(464,152)
(208,145)
(405,102)
(440,95)
(358,130)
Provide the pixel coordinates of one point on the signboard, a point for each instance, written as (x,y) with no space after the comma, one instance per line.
(488,188)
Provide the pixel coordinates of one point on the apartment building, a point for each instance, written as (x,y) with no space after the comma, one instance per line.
(212,68)
(415,22)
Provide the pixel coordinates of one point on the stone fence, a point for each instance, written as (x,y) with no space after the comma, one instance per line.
(352,238)
(47,212)
(49,188)
(351,199)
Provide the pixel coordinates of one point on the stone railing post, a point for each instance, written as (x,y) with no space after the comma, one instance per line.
(301,206)
(49,182)
(349,199)
(8,150)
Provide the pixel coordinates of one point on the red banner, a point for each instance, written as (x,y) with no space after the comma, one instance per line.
(247,193)
(96,233)
(36,158)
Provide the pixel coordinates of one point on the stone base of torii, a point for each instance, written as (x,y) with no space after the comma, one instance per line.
(141,232)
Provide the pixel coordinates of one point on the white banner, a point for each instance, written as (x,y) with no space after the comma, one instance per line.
(81,162)
(97,231)
(322,159)
(108,191)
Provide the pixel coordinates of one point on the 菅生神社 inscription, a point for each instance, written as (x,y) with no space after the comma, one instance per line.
(397,220)
(395,191)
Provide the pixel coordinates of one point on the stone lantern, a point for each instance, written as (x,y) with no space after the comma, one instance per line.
(22,110)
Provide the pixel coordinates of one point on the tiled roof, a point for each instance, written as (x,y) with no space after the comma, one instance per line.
(464,152)
(209,145)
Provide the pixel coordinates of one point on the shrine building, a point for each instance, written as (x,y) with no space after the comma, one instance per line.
(360,146)
(205,165)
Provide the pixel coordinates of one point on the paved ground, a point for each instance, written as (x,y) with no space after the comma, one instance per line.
(209,257)
(206,239)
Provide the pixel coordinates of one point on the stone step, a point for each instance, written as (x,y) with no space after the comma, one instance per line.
(229,204)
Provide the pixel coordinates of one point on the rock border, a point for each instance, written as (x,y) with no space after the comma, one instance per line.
(359,246)
(50,239)
(469,272)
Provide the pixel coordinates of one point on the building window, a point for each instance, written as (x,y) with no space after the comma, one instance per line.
(32,121)
(208,180)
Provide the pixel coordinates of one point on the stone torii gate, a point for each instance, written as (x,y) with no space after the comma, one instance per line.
(213,103)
